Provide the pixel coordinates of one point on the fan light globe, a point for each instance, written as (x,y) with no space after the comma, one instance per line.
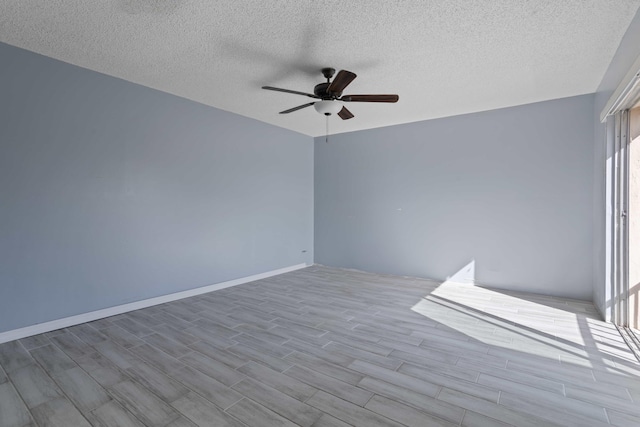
(328,107)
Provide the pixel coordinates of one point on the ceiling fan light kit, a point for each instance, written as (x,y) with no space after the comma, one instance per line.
(330,97)
(328,107)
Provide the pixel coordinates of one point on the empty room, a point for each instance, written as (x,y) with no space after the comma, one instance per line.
(319,213)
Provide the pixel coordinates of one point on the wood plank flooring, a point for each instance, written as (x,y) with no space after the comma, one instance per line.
(329,347)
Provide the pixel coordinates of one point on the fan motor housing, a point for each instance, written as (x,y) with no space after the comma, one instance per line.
(321,91)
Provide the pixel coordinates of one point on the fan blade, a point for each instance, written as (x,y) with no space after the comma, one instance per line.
(345,114)
(277,89)
(299,107)
(342,80)
(370,98)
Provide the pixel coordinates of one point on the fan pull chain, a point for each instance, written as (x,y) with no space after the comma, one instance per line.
(326,138)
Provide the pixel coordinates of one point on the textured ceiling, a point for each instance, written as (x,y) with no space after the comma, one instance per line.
(443,57)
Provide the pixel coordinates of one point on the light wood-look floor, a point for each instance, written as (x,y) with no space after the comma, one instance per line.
(328,347)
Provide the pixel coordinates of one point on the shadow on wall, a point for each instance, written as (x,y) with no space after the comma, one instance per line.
(135,7)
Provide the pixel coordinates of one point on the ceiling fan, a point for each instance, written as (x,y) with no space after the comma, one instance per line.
(330,95)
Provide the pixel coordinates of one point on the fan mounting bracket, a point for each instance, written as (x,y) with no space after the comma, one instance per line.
(328,73)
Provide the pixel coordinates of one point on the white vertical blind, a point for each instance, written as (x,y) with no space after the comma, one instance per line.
(620,242)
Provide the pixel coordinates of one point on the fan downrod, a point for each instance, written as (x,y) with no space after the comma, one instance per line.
(320,90)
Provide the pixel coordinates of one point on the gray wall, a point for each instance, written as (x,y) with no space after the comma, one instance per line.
(111,192)
(501,197)
(627,52)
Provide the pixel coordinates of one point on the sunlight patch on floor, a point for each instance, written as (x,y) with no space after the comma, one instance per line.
(567,331)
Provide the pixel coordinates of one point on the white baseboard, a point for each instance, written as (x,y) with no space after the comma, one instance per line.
(53,325)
